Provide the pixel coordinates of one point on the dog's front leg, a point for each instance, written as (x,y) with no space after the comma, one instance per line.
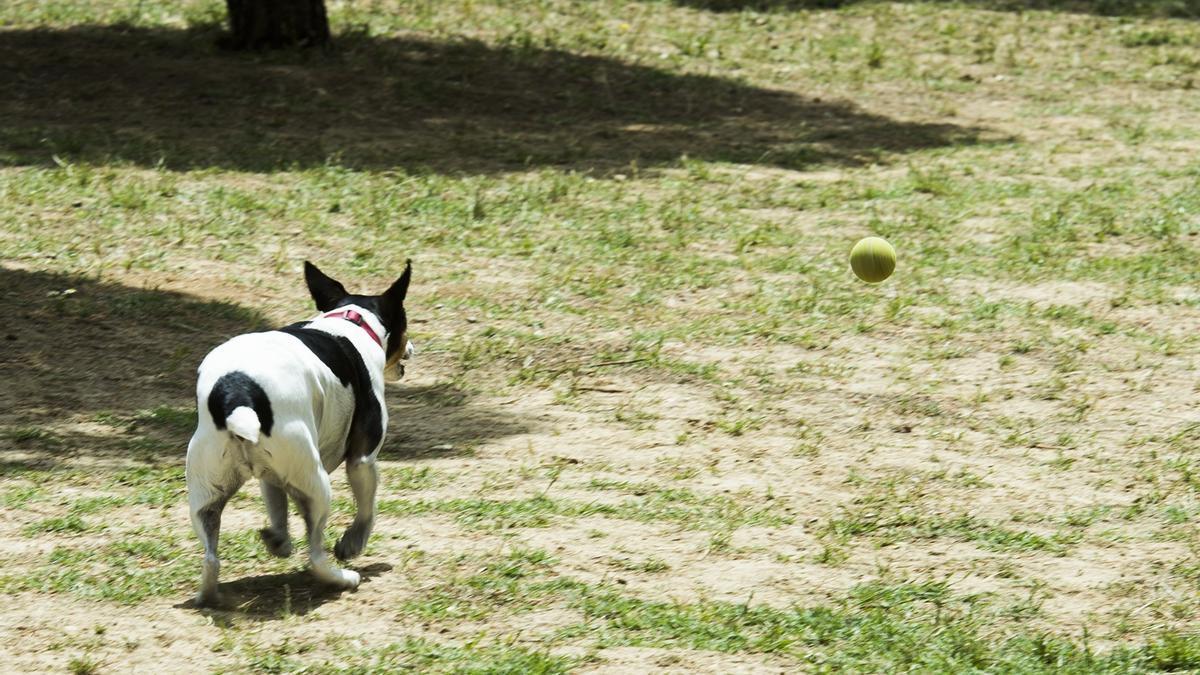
(364,477)
(313,498)
(275,536)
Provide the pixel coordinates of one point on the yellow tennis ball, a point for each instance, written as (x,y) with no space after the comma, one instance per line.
(873,259)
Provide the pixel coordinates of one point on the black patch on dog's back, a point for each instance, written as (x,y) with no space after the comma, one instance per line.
(335,351)
(235,389)
(339,355)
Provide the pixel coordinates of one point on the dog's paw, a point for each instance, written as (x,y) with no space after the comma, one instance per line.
(352,542)
(346,579)
(207,600)
(278,544)
(350,579)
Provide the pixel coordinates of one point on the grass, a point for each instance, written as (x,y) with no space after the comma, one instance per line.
(84,665)
(641,356)
(18,497)
(412,654)
(907,527)
(146,564)
(669,505)
(876,626)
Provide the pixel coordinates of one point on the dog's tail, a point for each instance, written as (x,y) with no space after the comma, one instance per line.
(244,422)
(237,403)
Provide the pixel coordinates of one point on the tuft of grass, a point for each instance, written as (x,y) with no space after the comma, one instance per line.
(69,524)
(29,435)
(176,419)
(671,505)
(151,485)
(411,478)
(469,591)
(1155,38)
(85,664)
(889,526)
(428,656)
(18,497)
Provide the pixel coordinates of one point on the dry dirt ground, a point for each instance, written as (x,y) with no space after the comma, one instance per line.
(60,370)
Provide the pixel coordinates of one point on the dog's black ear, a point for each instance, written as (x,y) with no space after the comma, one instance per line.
(325,291)
(392,300)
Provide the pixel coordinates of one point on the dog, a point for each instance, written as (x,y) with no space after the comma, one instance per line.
(287,407)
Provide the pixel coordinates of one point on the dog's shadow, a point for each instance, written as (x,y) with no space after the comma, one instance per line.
(277,596)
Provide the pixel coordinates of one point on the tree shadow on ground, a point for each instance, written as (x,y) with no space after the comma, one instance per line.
(165,97)
(85,363)
(98,370)
(1128,8)
(278,596)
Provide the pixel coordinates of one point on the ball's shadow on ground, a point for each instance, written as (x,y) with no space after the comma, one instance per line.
(99,370)
(169,98)
(277,596)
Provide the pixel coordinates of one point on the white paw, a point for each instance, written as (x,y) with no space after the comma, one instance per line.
(337,577)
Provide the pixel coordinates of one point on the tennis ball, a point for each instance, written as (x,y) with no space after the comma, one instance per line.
(873,259)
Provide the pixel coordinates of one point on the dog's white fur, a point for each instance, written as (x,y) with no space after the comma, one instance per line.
(312,412)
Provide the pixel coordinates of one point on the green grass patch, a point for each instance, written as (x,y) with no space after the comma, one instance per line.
(410,478)
(137,565)
(670,505)
(70,524)
(515,583)
(180,420)
(885,528)
(18,497)
(407,655)
(879,626)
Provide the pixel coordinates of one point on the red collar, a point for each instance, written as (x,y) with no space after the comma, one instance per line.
(356,319)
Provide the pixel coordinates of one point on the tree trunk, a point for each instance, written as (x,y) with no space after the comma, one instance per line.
(271,24)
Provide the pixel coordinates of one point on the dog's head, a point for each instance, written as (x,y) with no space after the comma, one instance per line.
(388,309)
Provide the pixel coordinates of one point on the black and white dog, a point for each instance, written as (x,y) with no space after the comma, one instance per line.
(287,407)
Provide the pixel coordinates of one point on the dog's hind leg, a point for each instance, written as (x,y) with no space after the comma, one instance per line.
(275,536)
(208,491)
(363,476)
(207,522)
